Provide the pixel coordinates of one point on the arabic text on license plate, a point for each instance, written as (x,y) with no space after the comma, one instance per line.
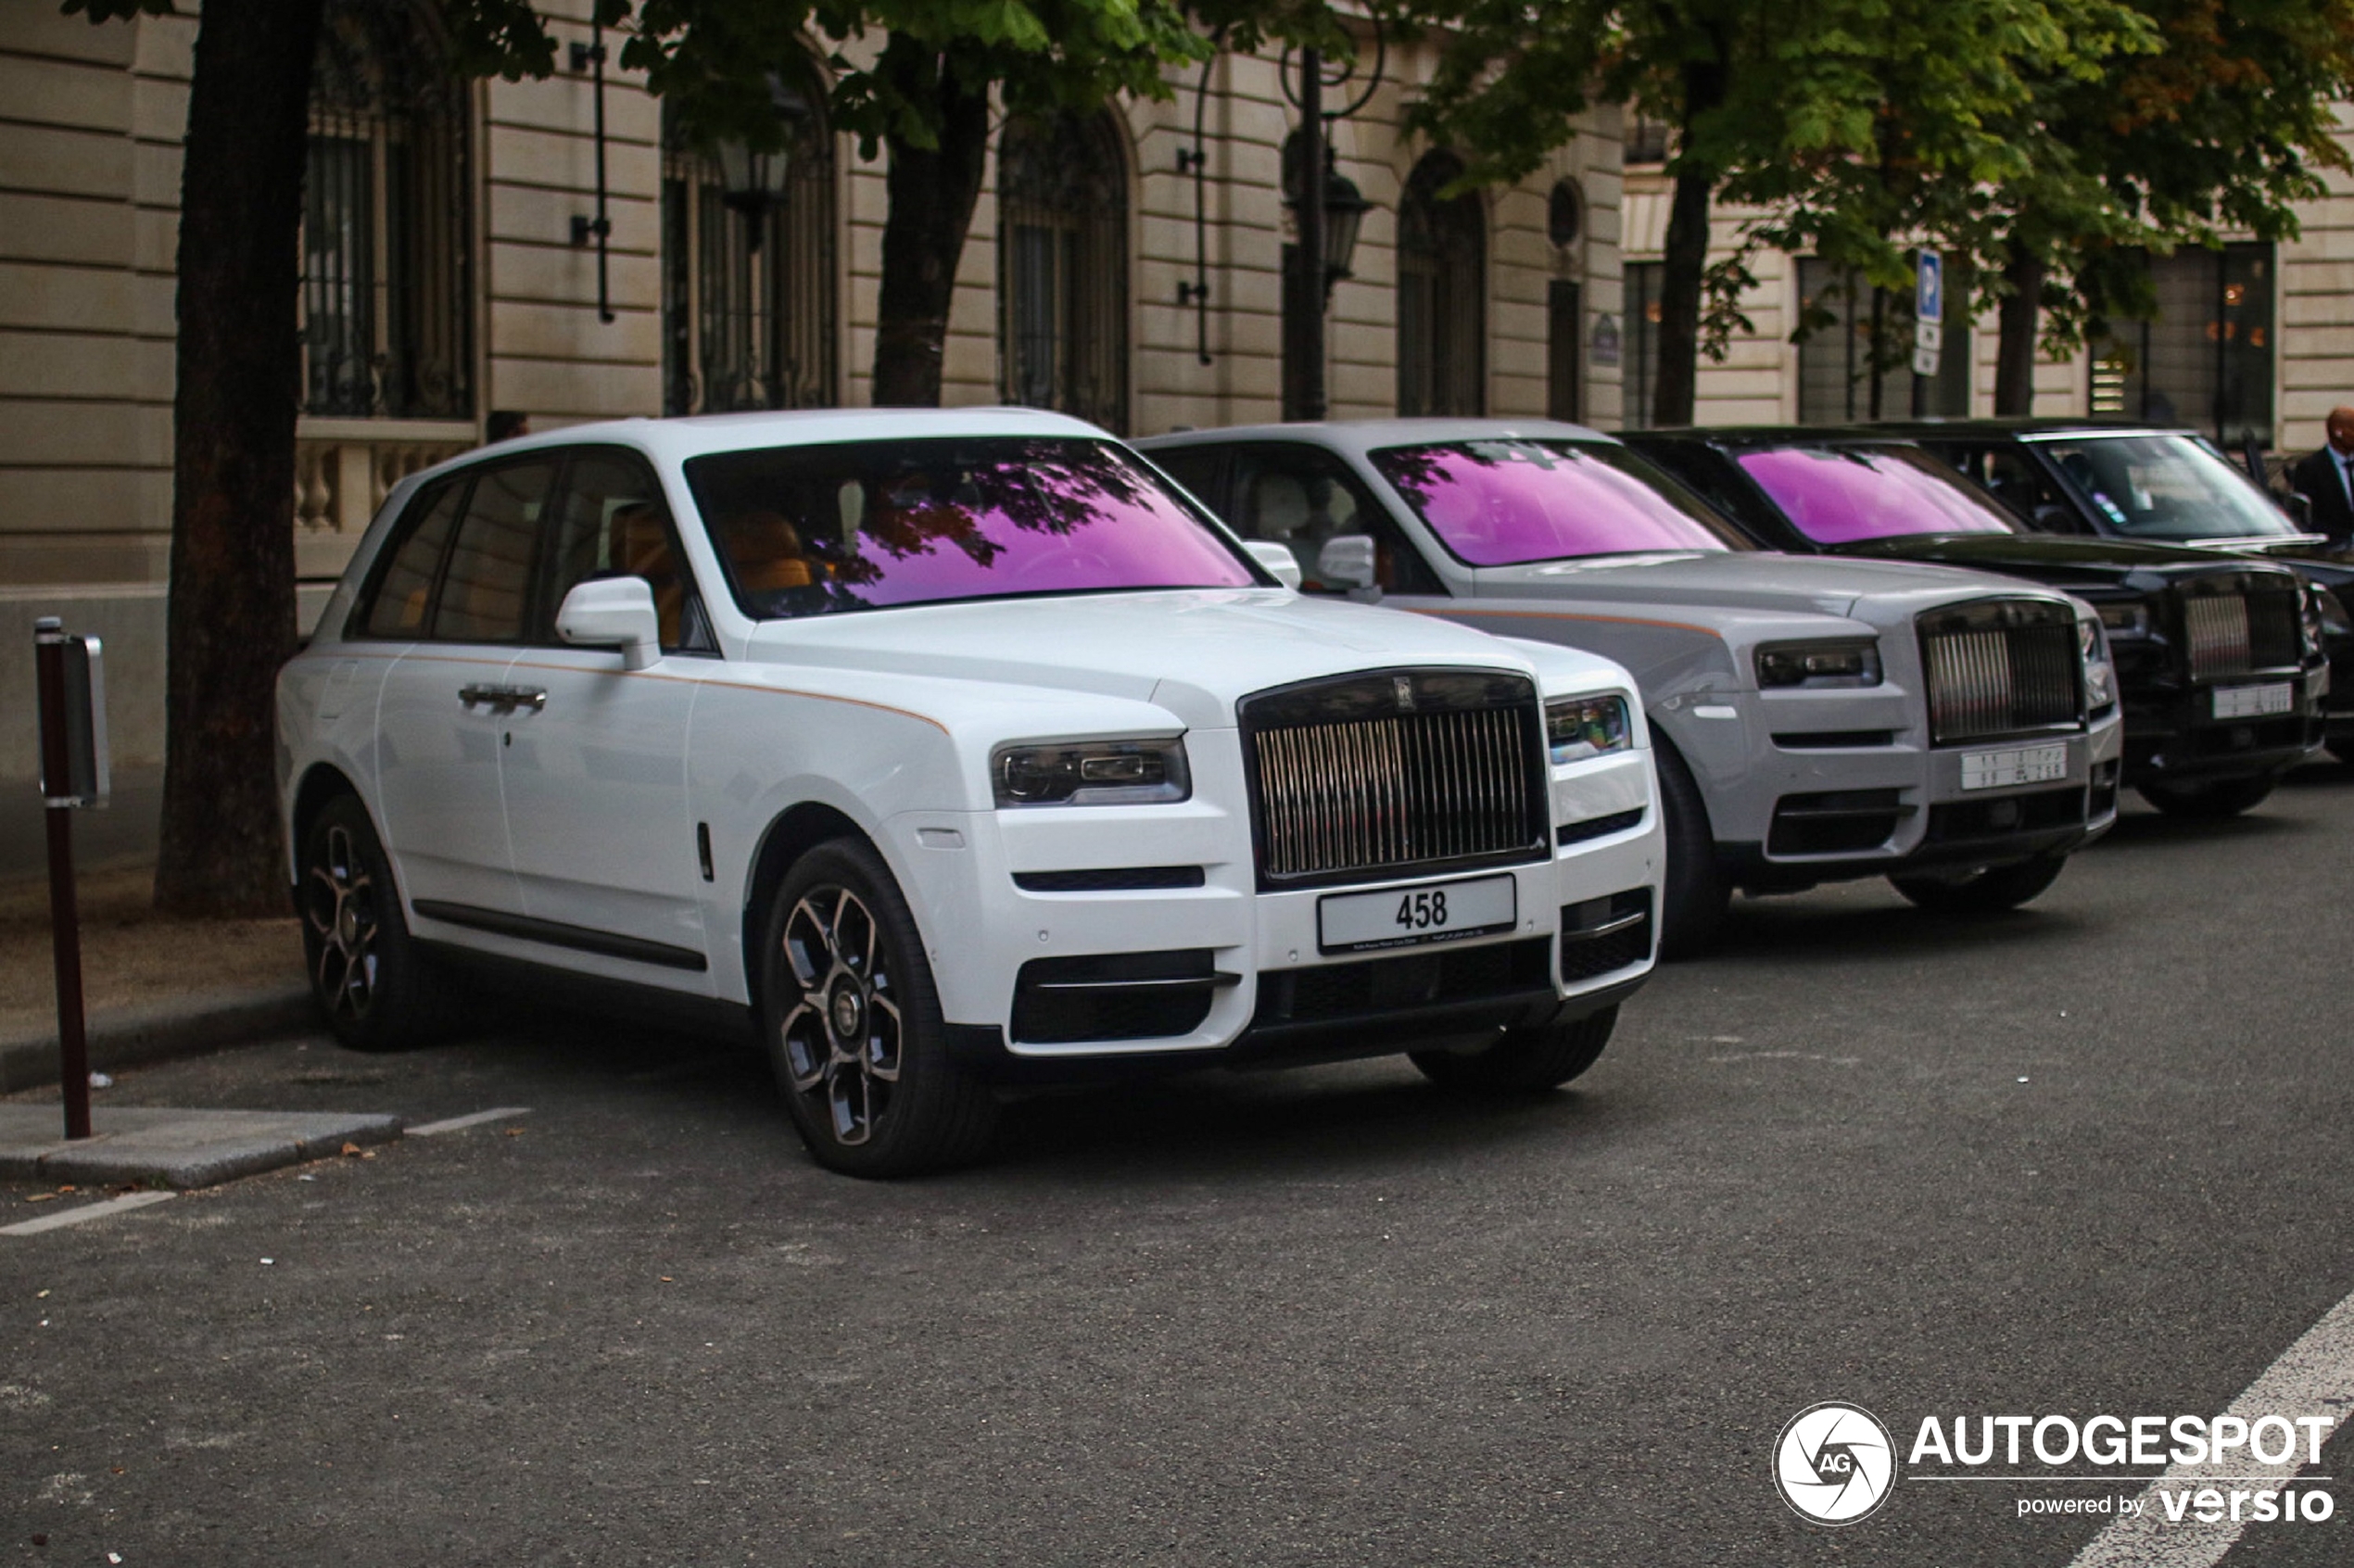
(2024,764)
(1403,916)
(2249,702)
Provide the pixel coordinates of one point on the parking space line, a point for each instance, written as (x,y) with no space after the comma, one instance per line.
(2313,1376)
(84,1213)
(460,1123)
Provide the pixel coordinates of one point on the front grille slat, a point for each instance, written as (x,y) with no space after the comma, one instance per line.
(2001,667)
(1346,787)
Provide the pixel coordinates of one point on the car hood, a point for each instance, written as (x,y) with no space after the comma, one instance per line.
(1195,652)
(2069,565)
(1759,581)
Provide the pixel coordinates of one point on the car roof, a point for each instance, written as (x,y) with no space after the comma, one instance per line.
(1775,434)
(1363,435)
(2023,429)
(678,439)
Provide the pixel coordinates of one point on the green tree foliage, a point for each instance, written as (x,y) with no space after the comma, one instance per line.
(1858,123)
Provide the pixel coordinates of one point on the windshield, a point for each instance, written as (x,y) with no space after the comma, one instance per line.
(2165,487)
(1506,502)
(860,526)
(1838,495)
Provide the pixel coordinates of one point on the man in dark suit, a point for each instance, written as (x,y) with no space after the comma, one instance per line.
(2326,481)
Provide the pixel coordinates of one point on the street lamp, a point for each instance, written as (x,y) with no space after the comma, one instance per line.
(1344,209)
(753,183)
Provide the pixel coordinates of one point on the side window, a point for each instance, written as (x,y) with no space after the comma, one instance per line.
(1196,469)
(488,582)
(1707,472)
(2019,483)
(402,600)
(612,523)
(1301,496)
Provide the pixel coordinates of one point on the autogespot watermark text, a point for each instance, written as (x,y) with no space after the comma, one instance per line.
(2193,1442)
(1836,1464)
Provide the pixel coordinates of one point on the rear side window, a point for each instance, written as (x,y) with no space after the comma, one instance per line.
(488,582)
(403,598)
(1196,469)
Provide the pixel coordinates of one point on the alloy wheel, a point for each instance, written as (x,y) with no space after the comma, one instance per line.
(339,904)
(841,1037)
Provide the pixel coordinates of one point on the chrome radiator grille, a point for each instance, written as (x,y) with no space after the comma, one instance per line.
(1395,772)
(2001,667)
(2233,634)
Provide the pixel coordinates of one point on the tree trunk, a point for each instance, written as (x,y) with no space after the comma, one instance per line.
(930,191)
(1679,291)
(231,621)
(1685,269)
(2014,356)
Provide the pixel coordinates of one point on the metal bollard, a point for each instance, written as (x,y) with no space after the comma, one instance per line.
(73,774)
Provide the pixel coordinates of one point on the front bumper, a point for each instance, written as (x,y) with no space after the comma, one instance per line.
(2173,735)
(1805,787)
(1035,969)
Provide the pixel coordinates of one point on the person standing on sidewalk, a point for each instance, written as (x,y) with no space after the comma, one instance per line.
(2326,481)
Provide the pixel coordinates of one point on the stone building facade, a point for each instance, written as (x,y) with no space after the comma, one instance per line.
(452,281)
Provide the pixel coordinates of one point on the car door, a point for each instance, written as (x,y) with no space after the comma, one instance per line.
(594,756)
(1301,495)
(438,724)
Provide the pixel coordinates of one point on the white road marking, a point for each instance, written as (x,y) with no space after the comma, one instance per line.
(460,1123)
(84,1213)
(2314,1376)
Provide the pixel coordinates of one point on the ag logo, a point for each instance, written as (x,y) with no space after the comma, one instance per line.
(1834,1463)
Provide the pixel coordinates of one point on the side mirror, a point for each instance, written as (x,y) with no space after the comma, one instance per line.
(2050,519)
(613,613)
(1277,558)
(2299,507)
(1347,560)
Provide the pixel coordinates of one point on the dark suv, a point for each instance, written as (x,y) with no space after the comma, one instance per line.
(2217,655)
(2102,480)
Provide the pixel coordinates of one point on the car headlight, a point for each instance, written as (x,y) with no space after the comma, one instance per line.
(2325,619)
(2125,617)
(1579,728)
(1847,661)
(2100,675)
(1090,773)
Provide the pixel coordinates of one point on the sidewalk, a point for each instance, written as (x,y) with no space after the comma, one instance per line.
(152,986)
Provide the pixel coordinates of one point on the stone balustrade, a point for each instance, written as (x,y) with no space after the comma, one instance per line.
(342,471)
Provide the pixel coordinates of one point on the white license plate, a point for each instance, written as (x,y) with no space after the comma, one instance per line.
(2249,702)
(1404,916)
(2023,764)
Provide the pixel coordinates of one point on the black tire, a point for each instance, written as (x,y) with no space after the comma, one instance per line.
(1989,891)
(1696,894)
(378,989)
(2213,801)
(852,1024)
(1523,1061)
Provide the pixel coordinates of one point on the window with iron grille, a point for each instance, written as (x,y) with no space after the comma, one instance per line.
(1642,372)
(387,240)
(1442,294)
(747,317)
(1062,267)
(2206,359)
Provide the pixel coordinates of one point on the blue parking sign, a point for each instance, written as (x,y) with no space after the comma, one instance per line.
(1929,287)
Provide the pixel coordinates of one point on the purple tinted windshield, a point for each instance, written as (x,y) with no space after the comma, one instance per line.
(1505,503)
(1838,495)
(859,525)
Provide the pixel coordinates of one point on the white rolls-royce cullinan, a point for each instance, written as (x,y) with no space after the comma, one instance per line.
(944,749)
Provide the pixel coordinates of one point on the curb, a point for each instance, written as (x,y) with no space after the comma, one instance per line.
(128,1036)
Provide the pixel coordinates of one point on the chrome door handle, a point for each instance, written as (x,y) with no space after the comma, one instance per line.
(533,696)
(503,699)
(470,695)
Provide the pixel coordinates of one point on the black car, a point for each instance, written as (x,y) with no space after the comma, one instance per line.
(2095,479)
(2217,655)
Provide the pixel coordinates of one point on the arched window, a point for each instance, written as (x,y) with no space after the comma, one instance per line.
(1442,287)
(388,235)
(748,293)
(1062,267)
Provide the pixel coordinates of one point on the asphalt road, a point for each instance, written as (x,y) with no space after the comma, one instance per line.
(2090,1157)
